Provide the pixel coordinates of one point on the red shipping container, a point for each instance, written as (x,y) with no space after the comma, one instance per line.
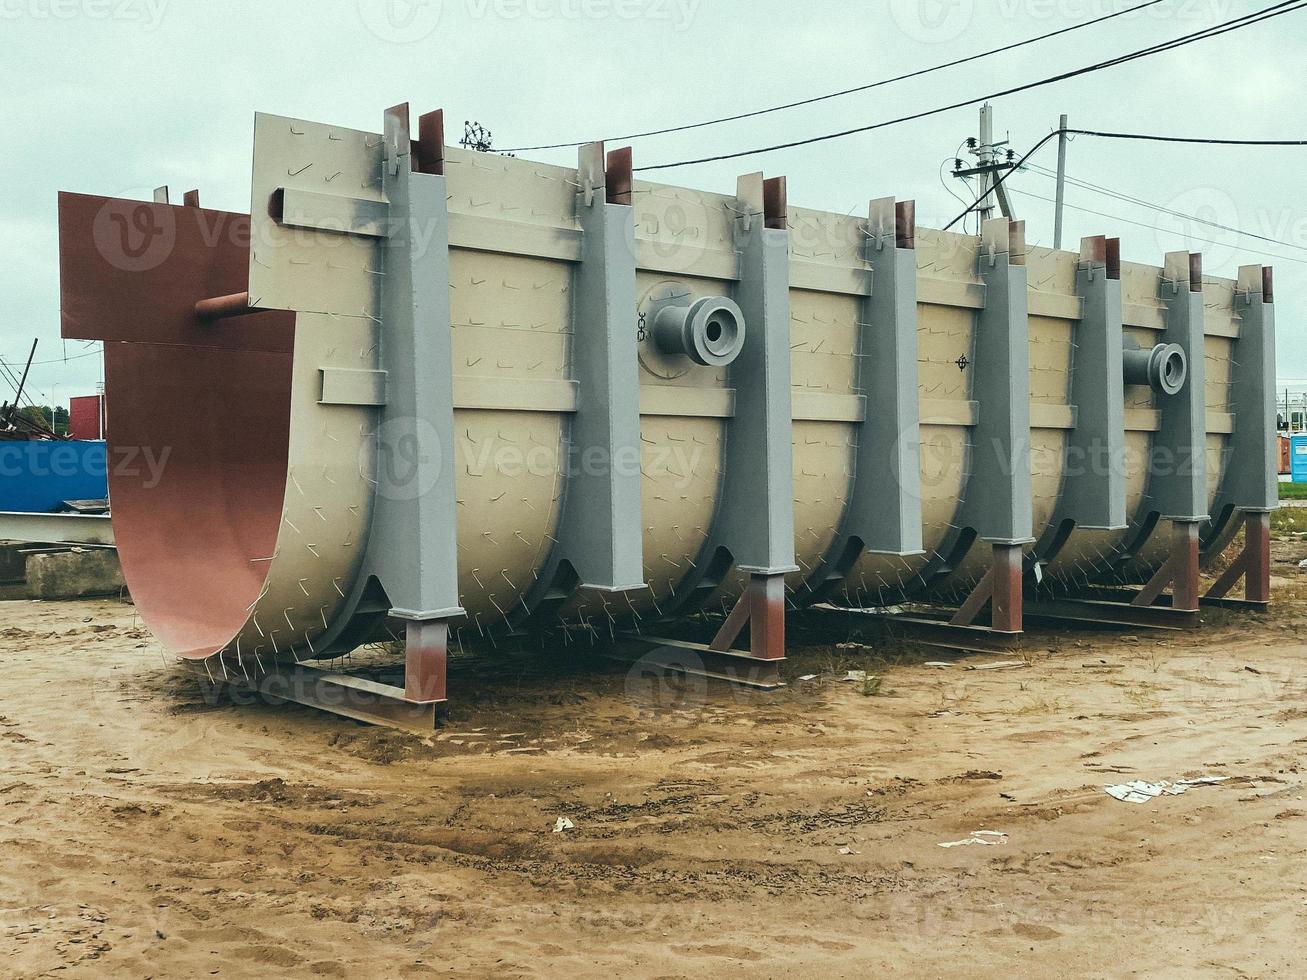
(86,417)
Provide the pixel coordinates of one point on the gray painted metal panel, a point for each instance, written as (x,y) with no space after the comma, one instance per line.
(757,521)
(56,528)
(884,508)
(999,497)
(412,546)
(346,386)
(1250,481)
(1095,488)
(333,212)
(600,530)
(1177,485)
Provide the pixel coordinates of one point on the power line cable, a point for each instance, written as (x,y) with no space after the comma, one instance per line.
(1237,23)
(848,91)
(1141,224)
(1130,199)
(1188,139)
(73,357)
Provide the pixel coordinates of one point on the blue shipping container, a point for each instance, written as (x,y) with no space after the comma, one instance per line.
(37,476)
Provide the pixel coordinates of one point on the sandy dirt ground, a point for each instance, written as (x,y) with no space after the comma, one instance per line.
(146,830)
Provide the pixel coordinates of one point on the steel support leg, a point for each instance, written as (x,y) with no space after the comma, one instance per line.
(1005,607)
(1179,571)
(1000,589)
(426,656)
(1257,546)
(1253,564)
(763,607)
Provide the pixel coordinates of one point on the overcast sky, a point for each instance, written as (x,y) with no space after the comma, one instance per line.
(117,96)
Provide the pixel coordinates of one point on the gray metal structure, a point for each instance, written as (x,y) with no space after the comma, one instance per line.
(723,402)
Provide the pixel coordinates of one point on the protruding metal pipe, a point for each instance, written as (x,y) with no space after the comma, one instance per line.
(709,331)
(1163,368)
(221,307)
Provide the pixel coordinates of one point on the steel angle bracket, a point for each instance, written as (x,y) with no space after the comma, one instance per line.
(999,502)
(1095,493)
(671,656)
(1250,489)
(387,230)
(998,506)
(757,525)
(347,695)
(599,545)
(921,628)
(600,531)
(883,513)
(1178,489)
(1177,482)
(1108,614)
(1250,483)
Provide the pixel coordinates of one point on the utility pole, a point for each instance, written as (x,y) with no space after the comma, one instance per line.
(990,160)
(984,158)
(1061,180)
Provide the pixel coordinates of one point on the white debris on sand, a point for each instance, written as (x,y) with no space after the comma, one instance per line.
(1141,791)
(985,837)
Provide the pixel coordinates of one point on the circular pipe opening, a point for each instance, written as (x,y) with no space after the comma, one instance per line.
(1167,368)
(1164,368)
(709,331)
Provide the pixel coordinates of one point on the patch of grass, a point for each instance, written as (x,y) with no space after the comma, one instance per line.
(1293,491)
(1042,706)
(1289,520)
(871,686)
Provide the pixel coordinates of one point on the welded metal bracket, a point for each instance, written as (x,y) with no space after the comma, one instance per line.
(1094,495)
(757,526)
(1177,482)
(1250,473)
(884,508)
(413,548)
(389,232)
(1253,565)
(1179,571)
(762,609)
(999,589)
(351,696)
(600,533)
(999,504)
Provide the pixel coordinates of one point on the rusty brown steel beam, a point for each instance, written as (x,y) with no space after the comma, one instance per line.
(1179,571)
(618,176)
(1005,605)
(1000,589)
(762,607)
(426,659)
(1253,563)
(905,224)
(360,698)
(697,659)
(775,203)
(1107,614)
(975,601)
(429,147)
